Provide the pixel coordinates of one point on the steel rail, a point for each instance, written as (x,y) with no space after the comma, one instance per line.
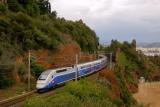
(17,99)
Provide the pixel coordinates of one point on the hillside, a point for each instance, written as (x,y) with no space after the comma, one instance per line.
(114,87)
(30,25)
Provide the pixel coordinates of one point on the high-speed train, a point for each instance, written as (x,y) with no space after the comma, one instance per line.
(53,77)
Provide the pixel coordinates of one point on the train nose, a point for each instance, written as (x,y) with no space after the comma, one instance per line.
(40,85)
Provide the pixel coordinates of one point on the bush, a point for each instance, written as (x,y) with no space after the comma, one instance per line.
(3,8)
(14,6)
(118,102)
(6,76)
(21,69)
(37,69)
(22,19)
(76,94)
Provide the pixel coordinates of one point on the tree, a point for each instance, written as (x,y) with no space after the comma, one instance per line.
(14,5)
(54,14)
(45,6)
(133,44)
(24,1)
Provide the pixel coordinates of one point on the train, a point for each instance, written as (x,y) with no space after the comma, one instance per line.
(54,77)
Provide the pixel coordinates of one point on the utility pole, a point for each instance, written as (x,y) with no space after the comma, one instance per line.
(29,70)
(110,60)
(76,74)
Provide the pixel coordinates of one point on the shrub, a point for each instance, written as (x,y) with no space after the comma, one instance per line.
(3,8)
(21,69)
(23,19)
(76,94)
(37,69)
(6,76)
(14,6)
(118,102)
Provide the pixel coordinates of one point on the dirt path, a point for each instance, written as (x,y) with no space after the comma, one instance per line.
(149,94)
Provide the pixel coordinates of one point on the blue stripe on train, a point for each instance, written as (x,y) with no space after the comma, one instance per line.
(61,79)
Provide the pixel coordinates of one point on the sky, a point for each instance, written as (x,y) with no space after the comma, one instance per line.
(123,20)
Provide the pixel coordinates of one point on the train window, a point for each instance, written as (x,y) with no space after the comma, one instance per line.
(85,66)
(82,67)
(62,70)
(43,77)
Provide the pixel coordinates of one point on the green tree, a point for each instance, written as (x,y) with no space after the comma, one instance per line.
(45,6)
(14,5)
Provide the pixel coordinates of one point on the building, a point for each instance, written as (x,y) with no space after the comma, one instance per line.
(149,51)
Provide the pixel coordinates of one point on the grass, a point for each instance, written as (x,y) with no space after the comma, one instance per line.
(83,93)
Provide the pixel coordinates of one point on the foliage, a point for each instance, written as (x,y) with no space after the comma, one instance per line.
(125,94)
(37,69)
(31,7)
(133,61)
(155,60)
(3,8)
(118,102)
(76,94)
(6,76)
(44,6)
(21,69)
(14,5)
(45,31)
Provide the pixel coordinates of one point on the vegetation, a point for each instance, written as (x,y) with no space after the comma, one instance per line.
(6,76)
(126,95)
(155,60)
(83,93)
(128,59)
(30,24)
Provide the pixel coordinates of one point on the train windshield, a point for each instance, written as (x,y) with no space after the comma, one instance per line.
(43,77)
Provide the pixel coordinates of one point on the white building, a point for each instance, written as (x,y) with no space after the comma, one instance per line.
(149,51)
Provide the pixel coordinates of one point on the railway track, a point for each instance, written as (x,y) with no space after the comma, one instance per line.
(12,102)
(18,101)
